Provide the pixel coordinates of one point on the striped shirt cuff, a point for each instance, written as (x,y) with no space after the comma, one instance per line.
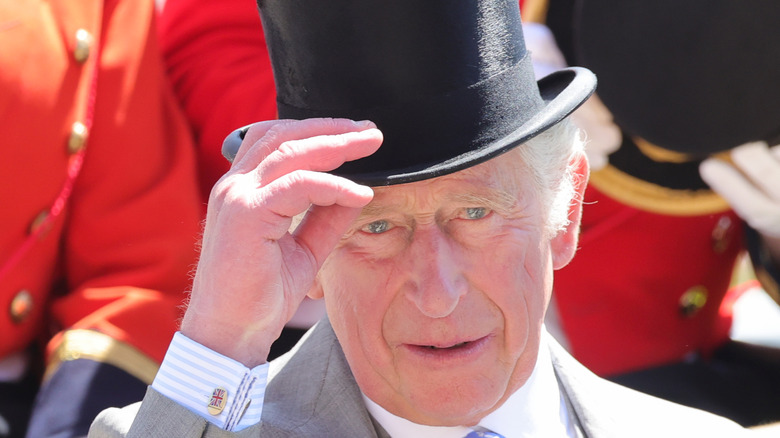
(218,388)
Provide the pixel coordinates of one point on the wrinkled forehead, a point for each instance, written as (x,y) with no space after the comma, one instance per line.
(493,182)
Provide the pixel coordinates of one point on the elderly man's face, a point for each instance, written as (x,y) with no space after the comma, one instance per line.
(438,292)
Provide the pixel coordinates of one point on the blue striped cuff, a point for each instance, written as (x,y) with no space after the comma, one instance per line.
(196,376)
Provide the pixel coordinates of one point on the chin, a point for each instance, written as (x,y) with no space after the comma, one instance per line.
(465,411)
(452,400)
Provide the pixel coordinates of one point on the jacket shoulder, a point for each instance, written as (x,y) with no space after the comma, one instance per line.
(606,409)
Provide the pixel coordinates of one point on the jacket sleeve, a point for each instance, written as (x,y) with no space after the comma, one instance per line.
(158,416)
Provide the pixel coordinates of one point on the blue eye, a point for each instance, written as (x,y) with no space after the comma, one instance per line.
(476,212)
(377,227)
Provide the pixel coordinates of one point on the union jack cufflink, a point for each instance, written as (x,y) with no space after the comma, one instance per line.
(218,401)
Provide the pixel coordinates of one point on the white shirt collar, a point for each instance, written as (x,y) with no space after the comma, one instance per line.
(536,409)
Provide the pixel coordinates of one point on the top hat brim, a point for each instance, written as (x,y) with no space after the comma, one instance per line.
(561,92)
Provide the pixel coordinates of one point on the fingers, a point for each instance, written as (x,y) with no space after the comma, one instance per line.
(302,190)
(761,165)
(293,193)
(320,153)
(232,146)
(750,202)
(263,139)
(322,229)
(280,173)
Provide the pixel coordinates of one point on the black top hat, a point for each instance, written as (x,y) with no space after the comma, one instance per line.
(449,82)
(693,76)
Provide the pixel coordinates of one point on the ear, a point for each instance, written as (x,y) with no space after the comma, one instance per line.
(564,244)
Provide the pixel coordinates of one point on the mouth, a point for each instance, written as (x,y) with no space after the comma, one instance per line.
(451,347)
(449,353)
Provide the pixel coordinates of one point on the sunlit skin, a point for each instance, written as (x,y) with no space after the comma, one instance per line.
(460,263)
(438,291)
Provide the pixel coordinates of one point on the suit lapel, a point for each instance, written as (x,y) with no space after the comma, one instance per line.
(591,408)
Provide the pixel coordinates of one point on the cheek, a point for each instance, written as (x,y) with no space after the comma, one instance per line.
(357,299)
(517,278)
(535,275)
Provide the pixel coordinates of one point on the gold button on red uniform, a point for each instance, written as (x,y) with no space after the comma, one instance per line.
(693,300)
(21,306)
(83,46)
(78,137)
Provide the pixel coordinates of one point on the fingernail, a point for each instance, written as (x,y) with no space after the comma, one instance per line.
(365,124)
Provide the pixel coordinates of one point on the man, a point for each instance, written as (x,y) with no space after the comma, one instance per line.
(435,281)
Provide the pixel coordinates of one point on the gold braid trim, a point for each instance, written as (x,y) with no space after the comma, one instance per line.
(93,345)
(659,154)
(650,197)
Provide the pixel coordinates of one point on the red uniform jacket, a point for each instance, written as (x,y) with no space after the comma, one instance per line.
(647,284)
(100,211)
(219,67)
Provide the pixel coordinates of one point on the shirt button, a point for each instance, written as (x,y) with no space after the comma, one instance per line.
(78,137)
(692,301)
(84,41)
(21,306)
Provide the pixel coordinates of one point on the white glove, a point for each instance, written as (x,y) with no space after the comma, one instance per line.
(751,185)
(593,117)
(545,54)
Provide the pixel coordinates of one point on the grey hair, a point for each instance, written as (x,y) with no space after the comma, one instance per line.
(548,157)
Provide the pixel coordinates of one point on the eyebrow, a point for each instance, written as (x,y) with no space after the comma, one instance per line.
(492,198)
(374,210)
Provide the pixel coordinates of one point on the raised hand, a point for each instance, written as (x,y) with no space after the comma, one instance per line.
(751,185)
(253,271)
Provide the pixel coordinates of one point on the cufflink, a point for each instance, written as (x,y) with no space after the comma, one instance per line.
(218,400)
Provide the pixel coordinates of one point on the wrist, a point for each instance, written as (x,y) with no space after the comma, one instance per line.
(229,339)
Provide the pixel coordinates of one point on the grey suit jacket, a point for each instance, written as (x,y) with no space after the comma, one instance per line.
(312,393)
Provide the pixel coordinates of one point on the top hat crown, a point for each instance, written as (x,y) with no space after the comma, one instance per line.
(449,82)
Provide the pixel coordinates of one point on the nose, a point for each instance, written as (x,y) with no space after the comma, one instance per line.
(436,283)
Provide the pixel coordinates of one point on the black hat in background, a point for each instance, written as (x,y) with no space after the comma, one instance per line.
(449,82)
(692,76)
